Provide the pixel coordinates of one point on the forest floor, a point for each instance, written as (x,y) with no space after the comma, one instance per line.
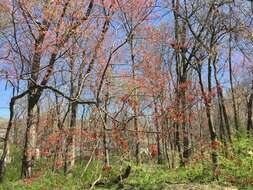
(198,187)
(188,186)
(142,177)
(235,172)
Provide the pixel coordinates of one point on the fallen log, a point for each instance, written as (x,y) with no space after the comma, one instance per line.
(123,176)
(118,179)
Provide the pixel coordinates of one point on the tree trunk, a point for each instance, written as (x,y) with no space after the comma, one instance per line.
(105,138)
(159,154)
(186,154)
(222,130)
(207,102)
(15,130)
(231,77)
(37,130)
(6,141)
(30,136)
(221,102)
(82,138)
(135,107)
(181,71)
(70,142)
(249,110)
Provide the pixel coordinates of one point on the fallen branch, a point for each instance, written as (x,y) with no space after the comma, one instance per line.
(117,180)
(123,176)
(95,182)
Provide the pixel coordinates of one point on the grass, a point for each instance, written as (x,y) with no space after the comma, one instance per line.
(234,170)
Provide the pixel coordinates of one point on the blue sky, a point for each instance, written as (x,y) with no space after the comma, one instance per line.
(5,94)
(4,100)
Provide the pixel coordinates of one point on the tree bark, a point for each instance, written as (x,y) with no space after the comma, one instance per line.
(249,110)
(159,154)
(105,138)
(30,135)
(181,71)
(207,102)
(70,142)
(231,75)
(221,103)
(135,106)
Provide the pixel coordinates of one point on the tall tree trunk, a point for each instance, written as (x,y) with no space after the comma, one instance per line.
(207,102)
(59,153)
(231,75)
(33,99)
(177,142)
(15,129)
(37,130)
(70,142)
(222,130)
(137,145)
(159,154)
(185,130)
(6,141)
(221,102)
(181,71)
(165,131)
(105,138)
(7,134)
(135,107)
(30,136)
(249,110)
(176,33)
(82,138)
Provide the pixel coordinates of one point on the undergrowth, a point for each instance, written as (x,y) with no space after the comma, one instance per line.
(235,169)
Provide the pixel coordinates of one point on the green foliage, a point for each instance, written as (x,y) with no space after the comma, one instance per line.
(13,170)
(235,168)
